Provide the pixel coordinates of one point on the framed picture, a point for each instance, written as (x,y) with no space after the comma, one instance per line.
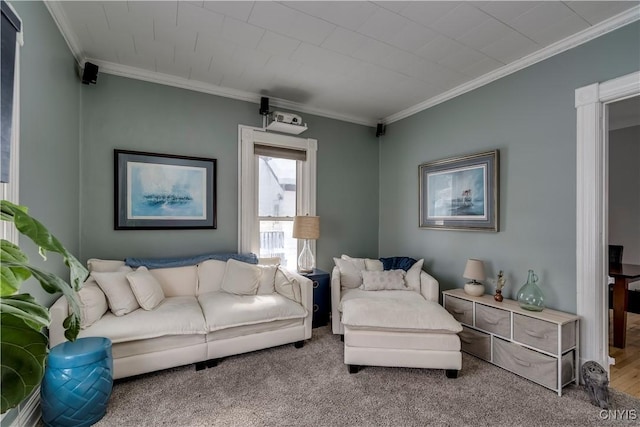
(162,191)
(460,193)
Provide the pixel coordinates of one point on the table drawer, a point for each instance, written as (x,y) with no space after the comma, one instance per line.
(536,333)
(493,320)
(460,309)
(530,364)
(476,342)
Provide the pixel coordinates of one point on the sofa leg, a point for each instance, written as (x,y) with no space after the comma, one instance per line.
(200,366)
(298,344)
(451,373)
(353,369)
(342,337)
(211,363)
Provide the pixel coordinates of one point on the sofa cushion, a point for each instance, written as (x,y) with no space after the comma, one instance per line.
(104,265)
(286,285)
(349,294)
(224,310)
(116,287)
(373,264)
(210,274)
(93,303)
(381,280)
(146,288)
(266,285)
(174,316)
(413,275)
(350,273)
(177,281)
(391,313)
(241,278)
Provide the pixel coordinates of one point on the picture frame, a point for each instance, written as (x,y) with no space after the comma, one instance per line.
(460,193)
(162,191)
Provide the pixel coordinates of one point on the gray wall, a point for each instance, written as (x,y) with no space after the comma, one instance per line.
(530,117)
(134,115)
(49,137)
(624,192)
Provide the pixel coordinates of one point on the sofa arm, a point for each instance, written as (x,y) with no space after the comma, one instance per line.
(306,295)
(429,287)
(336,289)
(58,312)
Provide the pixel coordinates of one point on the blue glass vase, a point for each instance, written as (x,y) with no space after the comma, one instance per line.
(530,297)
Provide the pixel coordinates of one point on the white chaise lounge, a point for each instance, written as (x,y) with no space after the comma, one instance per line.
(394,326)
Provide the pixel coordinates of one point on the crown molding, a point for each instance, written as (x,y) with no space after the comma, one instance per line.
(60,18)
(570,42)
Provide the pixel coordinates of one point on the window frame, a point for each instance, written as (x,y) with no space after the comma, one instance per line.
(248,219)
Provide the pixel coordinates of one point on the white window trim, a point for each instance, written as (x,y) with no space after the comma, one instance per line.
(248,224)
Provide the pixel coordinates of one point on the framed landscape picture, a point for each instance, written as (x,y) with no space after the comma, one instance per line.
(460,193)
(162,191)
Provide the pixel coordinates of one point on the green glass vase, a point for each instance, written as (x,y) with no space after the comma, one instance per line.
(530,297)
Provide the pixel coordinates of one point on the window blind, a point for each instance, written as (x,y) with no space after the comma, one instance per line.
(280,152)
(10,25)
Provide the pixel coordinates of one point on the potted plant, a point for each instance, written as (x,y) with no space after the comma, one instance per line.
(22,318)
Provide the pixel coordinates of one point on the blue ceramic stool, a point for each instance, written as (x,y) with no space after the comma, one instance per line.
(77,382)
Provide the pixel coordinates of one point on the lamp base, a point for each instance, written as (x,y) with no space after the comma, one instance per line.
(306,261)
(474,289)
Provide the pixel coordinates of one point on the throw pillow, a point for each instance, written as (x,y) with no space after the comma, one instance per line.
(240,278)
(267,278)
(104,265)
(116,288)
(146,288)
(93,303)
(286,285)
(373,264)
(350,275)
(413,275)
(383,280)
(359,263)
(397,262)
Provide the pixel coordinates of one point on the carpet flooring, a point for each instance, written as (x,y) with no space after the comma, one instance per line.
(311,386)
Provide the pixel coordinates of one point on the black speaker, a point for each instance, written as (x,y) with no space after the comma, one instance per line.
(90,73)
(380,129)
(264,106)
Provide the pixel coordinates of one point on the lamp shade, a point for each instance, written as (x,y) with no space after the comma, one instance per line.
(306,227)
(474,270)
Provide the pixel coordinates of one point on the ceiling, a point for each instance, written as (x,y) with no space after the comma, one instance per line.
(362,62)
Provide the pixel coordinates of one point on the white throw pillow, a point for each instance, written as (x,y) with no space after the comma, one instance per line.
(413,275)
(240,278)
(287,286)
(93,303)
(373,264)
(116,287)
(383,280)
(359,263)
(350,276)
(267,279)
(104,265)
(146,288)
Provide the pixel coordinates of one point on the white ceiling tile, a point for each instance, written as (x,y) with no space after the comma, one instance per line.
(162,10)
(281,66)
(383,25)
(543,15)
(346,14)
(143,61)
(215,46)
(459,20)
(462,59)
(509,48)
(277,44)
(373,51)
(427,13)
(344,41)
(322,59)
(153,48)
(559,30)
(167,32)
(236,9)
(91,14)
(198,19)
(121,21)
(439,48)
(310,29)
(483,66)
(226,68)
(398,60)
(596,11)
(193,59)
(250,58)
(205,76)
(507,10)
(241,33)
(412,37)
(486,33)
(394,6)
(109,40)
(173,68)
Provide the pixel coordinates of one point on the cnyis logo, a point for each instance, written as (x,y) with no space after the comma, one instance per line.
(619,414)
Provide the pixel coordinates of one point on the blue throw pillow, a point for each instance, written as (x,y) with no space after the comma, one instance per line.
(152,263)
(397,263)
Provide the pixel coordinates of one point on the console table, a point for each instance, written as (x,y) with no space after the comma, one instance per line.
(541,346)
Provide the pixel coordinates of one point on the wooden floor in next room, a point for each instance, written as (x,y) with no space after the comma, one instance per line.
(625,374)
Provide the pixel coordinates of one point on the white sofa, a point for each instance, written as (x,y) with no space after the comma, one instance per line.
(198,321)
(401,327)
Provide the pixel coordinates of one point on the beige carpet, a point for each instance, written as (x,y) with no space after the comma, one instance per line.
(285,386)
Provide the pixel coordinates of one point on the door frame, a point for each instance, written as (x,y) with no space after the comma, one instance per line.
(592,203)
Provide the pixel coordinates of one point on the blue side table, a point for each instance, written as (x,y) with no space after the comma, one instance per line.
(321,296)
(77,382)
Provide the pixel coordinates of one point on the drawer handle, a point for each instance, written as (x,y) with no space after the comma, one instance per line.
(316,308)
(521,362)
(457,311)
(534,334)
(465,340)
(315,284)
(491,322)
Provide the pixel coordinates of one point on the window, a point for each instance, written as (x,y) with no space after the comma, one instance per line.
(277,182)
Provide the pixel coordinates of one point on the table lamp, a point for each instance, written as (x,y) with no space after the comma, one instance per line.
(474,270)
(307,228)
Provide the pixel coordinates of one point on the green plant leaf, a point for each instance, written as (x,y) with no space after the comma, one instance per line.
(22,354)
(11,278)
(25,307)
